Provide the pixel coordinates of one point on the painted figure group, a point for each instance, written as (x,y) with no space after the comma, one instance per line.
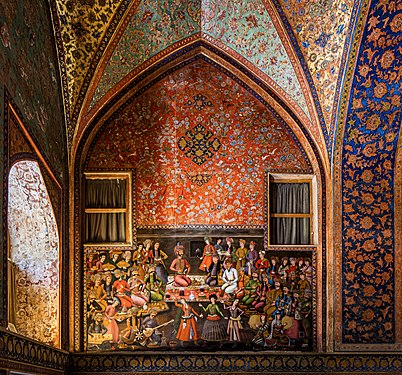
(259,301)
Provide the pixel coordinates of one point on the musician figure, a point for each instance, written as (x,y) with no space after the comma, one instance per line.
(149,325)
(97,326)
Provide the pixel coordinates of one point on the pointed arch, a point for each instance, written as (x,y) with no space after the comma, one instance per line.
(267,69)
(183,50)
(263,93)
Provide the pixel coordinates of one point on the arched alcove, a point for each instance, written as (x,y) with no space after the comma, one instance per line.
(244,144)
(34,255)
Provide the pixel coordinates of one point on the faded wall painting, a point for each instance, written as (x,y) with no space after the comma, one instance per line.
(199,272)
(29,72)
(29,75)
(34,254)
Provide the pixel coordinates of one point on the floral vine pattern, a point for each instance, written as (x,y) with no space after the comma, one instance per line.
(145,136)
(154,26)
(83,24)
(321,29)
(247,28)
(369,149)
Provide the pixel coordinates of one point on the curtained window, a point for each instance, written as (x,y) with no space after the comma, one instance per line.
(107,208)
(290,212)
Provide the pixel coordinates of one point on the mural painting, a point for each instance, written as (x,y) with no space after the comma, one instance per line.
(208,293)
(199,275)
(29,73)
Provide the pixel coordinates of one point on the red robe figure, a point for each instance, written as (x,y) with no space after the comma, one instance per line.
(262,263)
(188,330)
(181,268)
(120,287)
(209,250)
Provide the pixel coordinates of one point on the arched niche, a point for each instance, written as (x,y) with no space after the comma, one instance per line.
(34,277)
(104,149)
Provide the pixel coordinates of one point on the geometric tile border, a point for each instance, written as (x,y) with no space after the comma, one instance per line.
(25,356)
(15,350)
(207,363)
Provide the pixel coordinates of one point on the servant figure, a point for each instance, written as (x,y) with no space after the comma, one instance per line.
(209,250)
(251,258)
(234,324)
(159,261)
(213,271)
(241,253)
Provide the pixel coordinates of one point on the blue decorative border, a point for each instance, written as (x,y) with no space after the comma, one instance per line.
(345,60)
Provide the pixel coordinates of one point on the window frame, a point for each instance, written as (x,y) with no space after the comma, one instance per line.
(294,179)
(128,210)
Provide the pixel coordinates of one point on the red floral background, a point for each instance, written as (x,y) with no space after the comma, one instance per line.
(227,187)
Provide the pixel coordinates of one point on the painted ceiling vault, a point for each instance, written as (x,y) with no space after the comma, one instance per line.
(83,25)
(298,46)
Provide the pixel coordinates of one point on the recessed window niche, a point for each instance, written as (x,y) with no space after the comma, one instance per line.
(34,274)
